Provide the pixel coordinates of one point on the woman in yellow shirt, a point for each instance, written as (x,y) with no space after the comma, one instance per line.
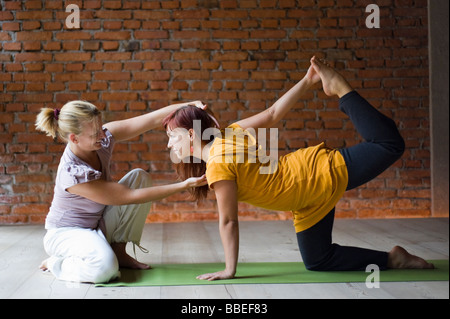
(309,182)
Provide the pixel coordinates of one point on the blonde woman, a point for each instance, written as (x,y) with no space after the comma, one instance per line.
(92,218)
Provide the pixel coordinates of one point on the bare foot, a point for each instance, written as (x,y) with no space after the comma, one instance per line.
(333,83)
(125,260)
(43,265)
(399,258)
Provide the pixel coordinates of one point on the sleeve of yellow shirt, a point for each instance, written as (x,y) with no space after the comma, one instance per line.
(218,171)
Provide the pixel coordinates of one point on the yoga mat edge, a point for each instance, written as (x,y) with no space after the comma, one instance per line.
(266,273)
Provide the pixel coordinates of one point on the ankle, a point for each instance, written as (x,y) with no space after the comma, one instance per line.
(344,89)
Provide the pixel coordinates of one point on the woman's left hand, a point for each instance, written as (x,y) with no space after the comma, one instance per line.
(196,181)
(198,104)
(224,274)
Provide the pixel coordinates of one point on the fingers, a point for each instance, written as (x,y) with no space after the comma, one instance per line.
(199,181)
(209,277)
(198,104)
(317,61)
(216,276)
(202,180)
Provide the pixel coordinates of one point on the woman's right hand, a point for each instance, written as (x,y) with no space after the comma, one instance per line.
(312,76)
(220,275)
(196,181)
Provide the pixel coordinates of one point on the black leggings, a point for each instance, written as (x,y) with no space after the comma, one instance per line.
(382,146)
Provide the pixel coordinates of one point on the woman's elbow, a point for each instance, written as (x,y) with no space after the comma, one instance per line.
(229,223)
(271,117)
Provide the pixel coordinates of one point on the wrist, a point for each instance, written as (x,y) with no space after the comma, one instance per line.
(184,185)
(307,82)
(230,273)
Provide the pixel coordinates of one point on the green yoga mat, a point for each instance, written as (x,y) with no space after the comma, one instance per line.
(266,273)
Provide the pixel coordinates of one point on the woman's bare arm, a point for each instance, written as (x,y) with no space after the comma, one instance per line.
(271,116)
(111,193)
(226,195)
(126,129)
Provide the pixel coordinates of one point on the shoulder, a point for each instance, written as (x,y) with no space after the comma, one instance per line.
(72,171)
(217,169)
(234,126)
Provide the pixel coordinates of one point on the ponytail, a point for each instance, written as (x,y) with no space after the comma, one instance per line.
(47,122)
(69,119)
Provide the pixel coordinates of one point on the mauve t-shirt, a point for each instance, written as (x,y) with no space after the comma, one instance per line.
(69,210)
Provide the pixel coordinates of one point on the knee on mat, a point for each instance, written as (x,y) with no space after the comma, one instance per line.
(311,264)
(106,268)
(313,267)
(319,263)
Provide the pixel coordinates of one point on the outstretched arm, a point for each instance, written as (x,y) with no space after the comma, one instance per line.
(226,195)
(126,129)
(271,116)
(111,193)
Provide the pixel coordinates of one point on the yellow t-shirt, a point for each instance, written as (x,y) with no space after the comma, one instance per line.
(309,182)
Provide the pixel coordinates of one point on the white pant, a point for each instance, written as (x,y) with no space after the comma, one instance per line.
(85,255)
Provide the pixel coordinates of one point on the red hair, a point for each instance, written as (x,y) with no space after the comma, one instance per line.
(184,117)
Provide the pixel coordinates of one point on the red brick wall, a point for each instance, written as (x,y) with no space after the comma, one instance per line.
(239,56)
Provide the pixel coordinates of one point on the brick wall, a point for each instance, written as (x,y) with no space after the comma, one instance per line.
(239,56)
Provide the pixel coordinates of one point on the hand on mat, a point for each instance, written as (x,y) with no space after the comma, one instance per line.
(216,276)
